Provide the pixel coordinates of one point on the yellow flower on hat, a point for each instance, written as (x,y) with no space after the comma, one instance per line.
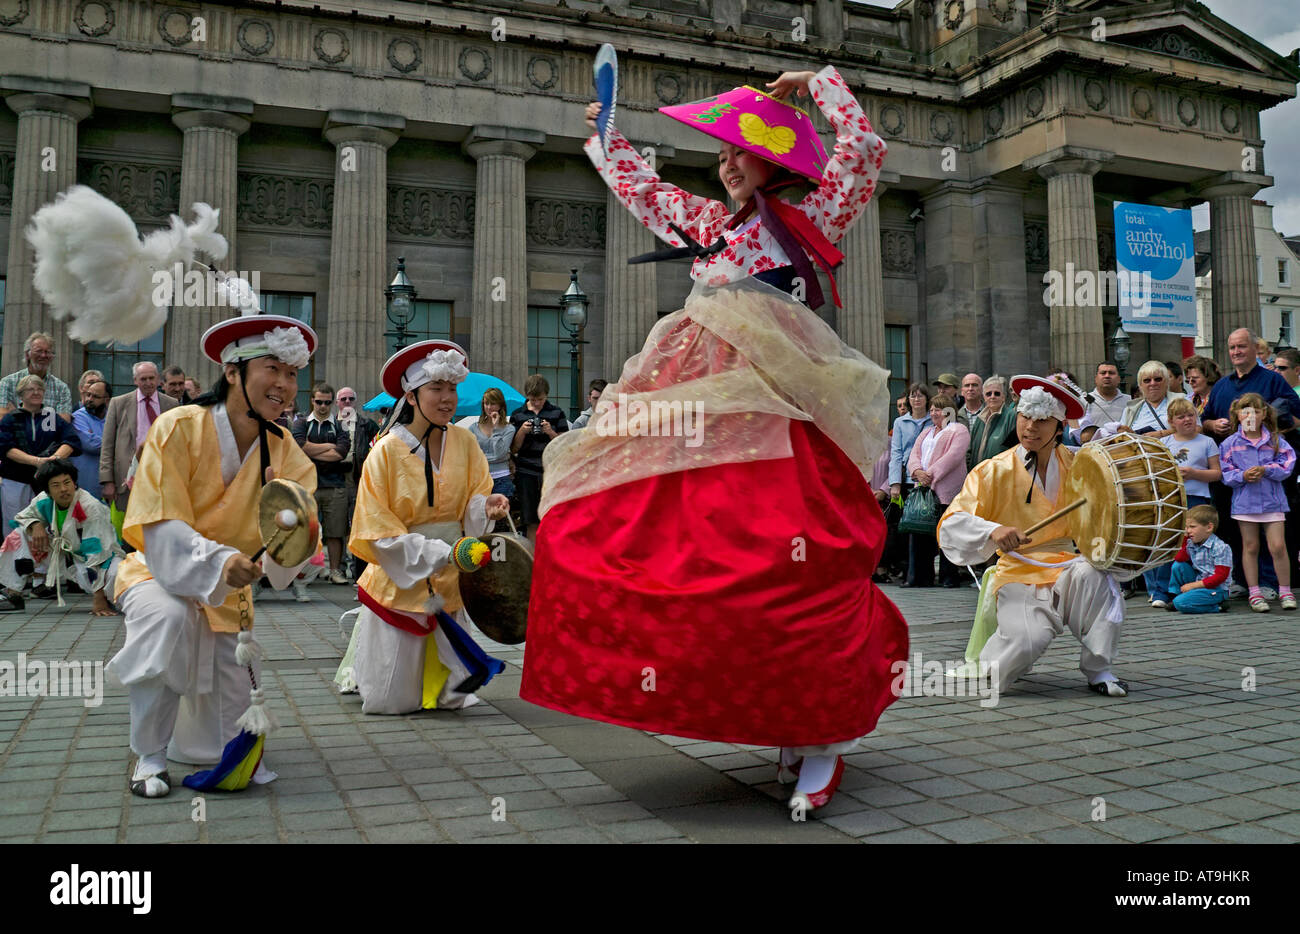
(778,139)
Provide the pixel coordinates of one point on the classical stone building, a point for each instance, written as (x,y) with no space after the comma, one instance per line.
(336,137)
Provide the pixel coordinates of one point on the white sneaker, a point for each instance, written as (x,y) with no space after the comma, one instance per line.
(300,592)
(1236,590)
(338,577)
(1159,604)
(1268,593)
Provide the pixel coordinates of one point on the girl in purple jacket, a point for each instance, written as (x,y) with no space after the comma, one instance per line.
(1255,460)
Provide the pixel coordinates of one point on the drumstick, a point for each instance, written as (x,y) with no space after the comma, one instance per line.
(1056,515)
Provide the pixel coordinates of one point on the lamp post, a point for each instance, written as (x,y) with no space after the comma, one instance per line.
(401,305)
(1120,343)
(573,312)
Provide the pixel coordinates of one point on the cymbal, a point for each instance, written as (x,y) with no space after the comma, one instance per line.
(287,523)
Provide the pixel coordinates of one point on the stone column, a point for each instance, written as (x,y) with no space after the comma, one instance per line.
(352,336)
(209,173)
(45,163)
(631,292)
(1003,302)
(952,327)
(1078,338)
(861,282)
(499,335)
(1234,278)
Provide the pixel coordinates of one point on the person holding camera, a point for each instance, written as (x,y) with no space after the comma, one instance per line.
(536,423)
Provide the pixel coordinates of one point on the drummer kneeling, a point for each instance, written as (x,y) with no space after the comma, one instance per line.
(1041,585)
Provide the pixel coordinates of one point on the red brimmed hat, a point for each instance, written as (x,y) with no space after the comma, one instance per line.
(1057,386)
(759,123)
(412,367)
(256,335)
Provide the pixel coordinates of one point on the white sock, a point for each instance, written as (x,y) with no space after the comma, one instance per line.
(788,759)
(262,775)
(816,772)
(150,765)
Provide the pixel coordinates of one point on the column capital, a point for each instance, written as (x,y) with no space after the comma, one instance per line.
(363,126)
(1231,184)
(211,119)
(884,182)
(23,94)
(1068,160)
(502,141)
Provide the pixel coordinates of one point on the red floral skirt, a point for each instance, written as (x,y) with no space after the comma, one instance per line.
(731,602)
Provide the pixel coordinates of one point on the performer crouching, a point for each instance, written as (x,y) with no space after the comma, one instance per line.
(1041,585)
(423,499)
(193,518)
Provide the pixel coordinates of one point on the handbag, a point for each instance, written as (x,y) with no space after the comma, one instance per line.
(920,512)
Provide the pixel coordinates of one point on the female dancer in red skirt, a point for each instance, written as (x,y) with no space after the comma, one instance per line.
(704,562)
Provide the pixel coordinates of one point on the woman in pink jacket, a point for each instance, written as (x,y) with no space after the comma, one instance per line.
(938,461)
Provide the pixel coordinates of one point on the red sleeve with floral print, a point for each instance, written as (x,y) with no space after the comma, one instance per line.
(847,185)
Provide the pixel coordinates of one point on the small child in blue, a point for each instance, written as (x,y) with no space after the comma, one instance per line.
(1202,569)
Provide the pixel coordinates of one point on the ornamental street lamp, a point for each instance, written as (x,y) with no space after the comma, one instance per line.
(1120,343)
(401,305)
(573,312)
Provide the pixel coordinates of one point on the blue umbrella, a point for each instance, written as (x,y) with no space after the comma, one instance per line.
(470,394)
(381,401)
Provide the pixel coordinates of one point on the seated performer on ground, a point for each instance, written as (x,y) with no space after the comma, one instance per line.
(1040,583)
(423,498)
(193,518)
(65,532)
(710,577)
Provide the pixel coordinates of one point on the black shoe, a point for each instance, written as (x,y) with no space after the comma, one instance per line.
(13,598)
(44,592)
(952,584)
(1110,688)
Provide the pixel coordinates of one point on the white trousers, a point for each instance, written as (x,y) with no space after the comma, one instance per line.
(388,667)
(186,688)
(1030,617)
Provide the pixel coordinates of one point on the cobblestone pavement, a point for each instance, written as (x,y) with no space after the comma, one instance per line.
(1197,753)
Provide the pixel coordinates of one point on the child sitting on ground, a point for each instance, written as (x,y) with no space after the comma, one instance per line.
(1202,569)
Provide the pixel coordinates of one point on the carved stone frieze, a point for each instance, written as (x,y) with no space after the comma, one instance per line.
(175,26)
(994,118)
(438,214)
(941,127)
(1094,94)
(21,9)
(267,200)
(475,63)
(574,225)
(898,253)
(1142,103)
(95,17)
(332,46)
(668,88)
(404,54)
(1034,100)
(255,36)
(6,180)
(1188,112)
(543,72)
(892,120)
(147,192)
(1230,118)
(1177,45)
(1036,244)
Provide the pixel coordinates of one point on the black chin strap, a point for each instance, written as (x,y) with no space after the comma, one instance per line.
(1031,464)
(263,429)
(428,457)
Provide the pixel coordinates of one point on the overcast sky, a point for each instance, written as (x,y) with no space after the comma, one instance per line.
(1276,23)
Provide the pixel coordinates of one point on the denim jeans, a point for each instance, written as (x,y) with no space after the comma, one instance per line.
(1198,600)
(1157,581)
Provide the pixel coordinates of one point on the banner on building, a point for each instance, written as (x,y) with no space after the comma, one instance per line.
(1155,269)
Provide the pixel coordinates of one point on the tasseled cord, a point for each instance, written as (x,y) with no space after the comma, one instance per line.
(257,719)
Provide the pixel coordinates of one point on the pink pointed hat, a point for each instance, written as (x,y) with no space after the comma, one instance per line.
(758,122)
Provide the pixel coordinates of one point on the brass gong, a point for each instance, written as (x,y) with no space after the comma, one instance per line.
(496,595)
(287,523)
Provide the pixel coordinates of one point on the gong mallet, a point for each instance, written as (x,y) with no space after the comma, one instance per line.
(286,520)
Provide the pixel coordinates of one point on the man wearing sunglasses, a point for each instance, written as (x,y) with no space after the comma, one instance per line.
(327,444)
